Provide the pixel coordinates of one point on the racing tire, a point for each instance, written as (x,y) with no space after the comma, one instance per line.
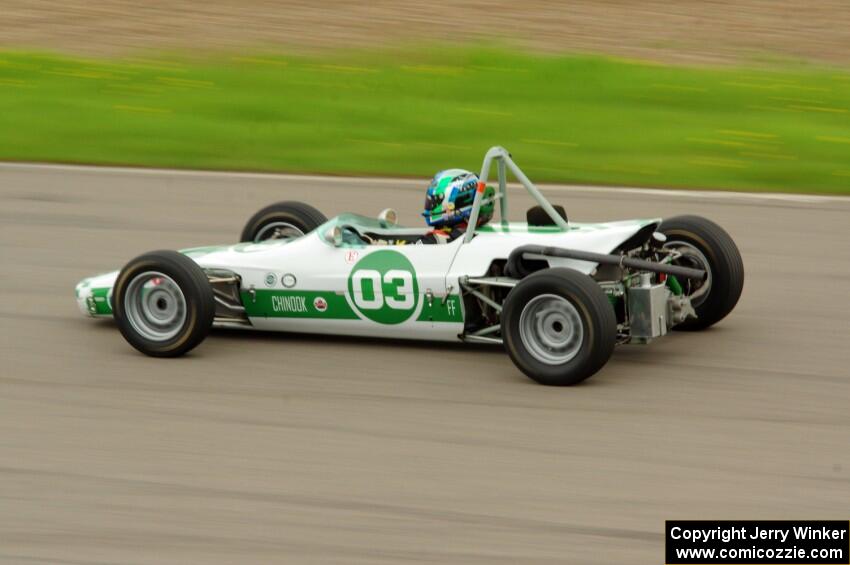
(706,246)
(163,304)
(558,326)
(537,216)
(282,220)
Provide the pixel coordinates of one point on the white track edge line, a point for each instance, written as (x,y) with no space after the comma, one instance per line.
(695,194)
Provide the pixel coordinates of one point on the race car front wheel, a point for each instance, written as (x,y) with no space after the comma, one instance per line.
(281,221)
(163,303)
(705,245)
(558,326)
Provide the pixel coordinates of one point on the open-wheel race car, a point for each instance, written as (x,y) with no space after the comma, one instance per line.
(559,295)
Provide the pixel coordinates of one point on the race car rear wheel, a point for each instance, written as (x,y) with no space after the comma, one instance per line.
(163,303)
(705,245)
(282,220)
(558,326)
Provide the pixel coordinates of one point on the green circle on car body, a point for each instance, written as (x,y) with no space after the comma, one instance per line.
(383,288)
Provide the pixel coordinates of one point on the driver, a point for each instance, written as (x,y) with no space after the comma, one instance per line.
(448,204)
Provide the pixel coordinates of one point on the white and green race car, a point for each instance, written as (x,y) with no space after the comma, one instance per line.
(557,294)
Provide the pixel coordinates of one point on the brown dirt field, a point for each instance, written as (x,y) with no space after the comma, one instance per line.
(688,31)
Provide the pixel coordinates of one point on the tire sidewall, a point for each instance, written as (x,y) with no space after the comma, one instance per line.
(586,361)
(188,336)
(275,216)
(717,279)
(299,215)
(723,261)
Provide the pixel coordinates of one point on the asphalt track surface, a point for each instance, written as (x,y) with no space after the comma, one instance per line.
(261,448)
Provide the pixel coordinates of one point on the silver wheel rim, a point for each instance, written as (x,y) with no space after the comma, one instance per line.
(278,230)
(551,329)
(155,306)
(692,257)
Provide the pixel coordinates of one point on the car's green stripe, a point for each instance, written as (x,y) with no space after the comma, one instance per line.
(522,227)
(440,311)
(296,304)
(303,304)
(518,228)
(98,302)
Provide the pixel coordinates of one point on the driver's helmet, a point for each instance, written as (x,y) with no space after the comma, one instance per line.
(448,201)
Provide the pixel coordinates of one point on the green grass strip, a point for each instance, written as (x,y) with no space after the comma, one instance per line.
(578,119)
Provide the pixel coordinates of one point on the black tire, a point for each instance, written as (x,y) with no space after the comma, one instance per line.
(537,216)
(198,302)
(298,215)
(590,304)
(724,263)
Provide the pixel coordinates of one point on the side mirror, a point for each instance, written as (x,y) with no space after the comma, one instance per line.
(334,236)
(388,217)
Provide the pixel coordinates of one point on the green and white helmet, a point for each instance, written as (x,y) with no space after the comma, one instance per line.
(448,201)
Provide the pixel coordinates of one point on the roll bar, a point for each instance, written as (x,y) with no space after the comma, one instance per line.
(503,162)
